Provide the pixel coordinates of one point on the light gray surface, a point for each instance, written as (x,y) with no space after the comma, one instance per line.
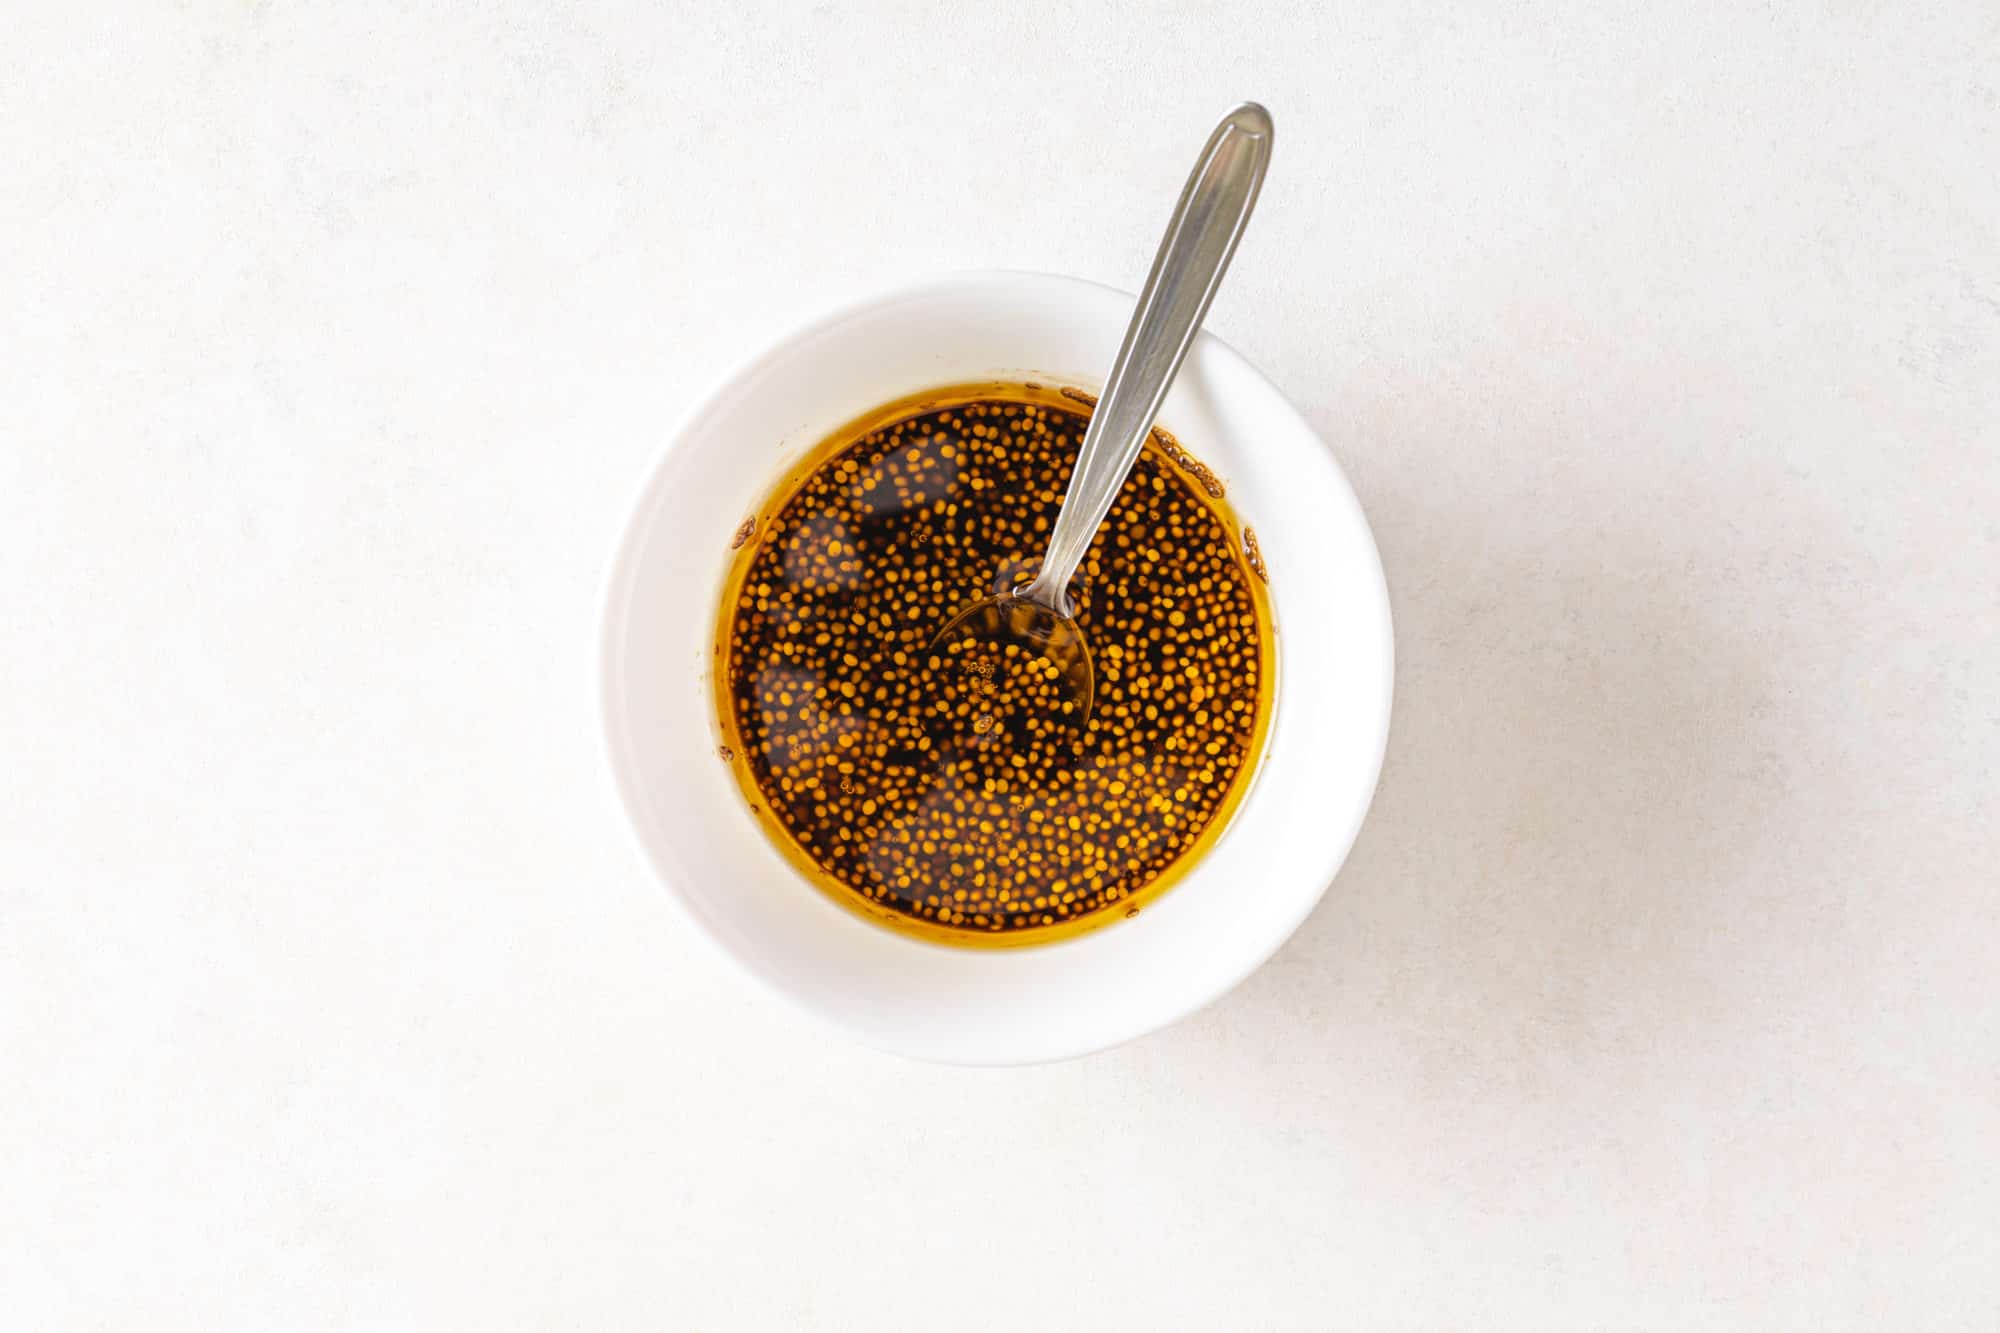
(1659,991)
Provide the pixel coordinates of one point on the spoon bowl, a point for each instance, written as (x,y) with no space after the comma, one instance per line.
(1010,664)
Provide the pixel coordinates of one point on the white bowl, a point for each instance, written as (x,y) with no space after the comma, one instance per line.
(1005,1006)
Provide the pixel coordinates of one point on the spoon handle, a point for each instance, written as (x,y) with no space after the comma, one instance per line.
(1193,255)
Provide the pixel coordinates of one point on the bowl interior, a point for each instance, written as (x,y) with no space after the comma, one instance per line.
(932,1001)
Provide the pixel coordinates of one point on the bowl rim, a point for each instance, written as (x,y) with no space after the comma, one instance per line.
(613,614)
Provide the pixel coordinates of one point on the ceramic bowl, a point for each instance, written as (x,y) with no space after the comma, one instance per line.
(993,1006)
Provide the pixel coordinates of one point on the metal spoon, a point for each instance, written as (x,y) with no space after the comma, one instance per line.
(1031,631)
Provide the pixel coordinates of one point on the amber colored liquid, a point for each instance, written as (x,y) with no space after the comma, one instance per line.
(968,824)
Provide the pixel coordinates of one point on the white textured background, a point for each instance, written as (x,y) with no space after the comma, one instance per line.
(1660,991)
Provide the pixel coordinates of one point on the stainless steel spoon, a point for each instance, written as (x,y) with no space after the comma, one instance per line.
(1193,256)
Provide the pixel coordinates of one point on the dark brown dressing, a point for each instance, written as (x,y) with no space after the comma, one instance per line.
(946,794)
